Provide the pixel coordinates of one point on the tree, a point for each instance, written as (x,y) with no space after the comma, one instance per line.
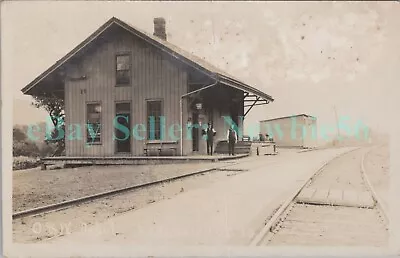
(18,134)
(55,107)
(52,104)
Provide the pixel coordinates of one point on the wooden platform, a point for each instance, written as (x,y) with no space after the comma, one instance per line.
(264,148)
(336,197)
(241,147)
(134,160)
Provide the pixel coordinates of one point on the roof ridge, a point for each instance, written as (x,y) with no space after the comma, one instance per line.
(183,55)
(201,61)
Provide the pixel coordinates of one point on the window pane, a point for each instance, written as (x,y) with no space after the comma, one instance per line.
(154,113)
(93,134)
(123,107)
(94,108)
(123,77)
(123,69)
(94,116)
(123,62)
(94,122)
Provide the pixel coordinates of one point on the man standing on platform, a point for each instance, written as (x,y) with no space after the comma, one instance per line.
(232,139)
(210,133)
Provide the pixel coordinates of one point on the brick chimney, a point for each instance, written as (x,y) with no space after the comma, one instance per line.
(159,28)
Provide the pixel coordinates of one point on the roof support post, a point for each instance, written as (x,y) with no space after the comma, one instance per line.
(251,106)
(181,109)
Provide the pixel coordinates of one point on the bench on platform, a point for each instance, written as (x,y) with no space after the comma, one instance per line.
(160,146)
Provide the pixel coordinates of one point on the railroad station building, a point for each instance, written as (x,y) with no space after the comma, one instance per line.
(122,74)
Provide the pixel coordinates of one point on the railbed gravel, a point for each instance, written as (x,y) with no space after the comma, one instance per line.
(36,188)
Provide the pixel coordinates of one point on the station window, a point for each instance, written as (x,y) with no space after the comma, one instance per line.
(123,69)
(154,112)
(93,127)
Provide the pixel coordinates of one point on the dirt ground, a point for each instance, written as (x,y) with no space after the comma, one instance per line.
(36,188)
(377,168)
(42,227)
(87,216)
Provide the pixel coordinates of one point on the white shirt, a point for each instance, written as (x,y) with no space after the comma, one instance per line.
(227,136)
(208,129)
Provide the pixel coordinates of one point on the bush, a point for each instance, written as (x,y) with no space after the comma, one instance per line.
(23,162)
(18,134)
(25,148)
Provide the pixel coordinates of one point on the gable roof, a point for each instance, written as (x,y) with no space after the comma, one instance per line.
(165,46)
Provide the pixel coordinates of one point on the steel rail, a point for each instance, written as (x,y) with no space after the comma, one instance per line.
(288,203)
(285,209)
(89,198)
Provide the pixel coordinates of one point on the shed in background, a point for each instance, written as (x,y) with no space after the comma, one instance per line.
(297,131)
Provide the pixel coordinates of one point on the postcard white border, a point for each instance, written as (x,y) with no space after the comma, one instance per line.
(42,250)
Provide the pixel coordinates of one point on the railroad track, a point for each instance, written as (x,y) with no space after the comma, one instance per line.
(89,198)
(312,216)
(86,199)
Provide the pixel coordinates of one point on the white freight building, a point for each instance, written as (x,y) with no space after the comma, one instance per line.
(299,131)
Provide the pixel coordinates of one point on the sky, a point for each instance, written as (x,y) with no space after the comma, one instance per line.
(312,57)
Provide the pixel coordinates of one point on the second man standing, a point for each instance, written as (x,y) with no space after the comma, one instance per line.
(232,139)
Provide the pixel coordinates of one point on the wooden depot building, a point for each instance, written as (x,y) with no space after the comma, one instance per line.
(122,74)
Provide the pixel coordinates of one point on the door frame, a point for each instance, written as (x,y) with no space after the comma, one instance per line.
(195,139)
(129,112)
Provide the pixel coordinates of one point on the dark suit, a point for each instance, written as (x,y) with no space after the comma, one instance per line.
(232,139)
(210,132)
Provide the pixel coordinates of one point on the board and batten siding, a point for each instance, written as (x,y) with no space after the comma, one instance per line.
(154,76)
